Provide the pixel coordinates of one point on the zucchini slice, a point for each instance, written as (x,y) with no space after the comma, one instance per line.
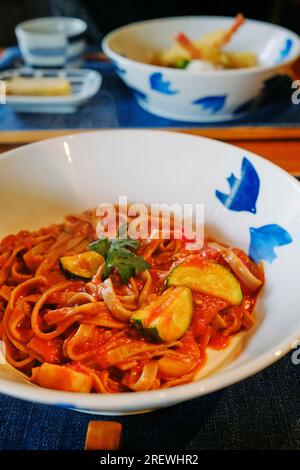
(167,318)
(82,266)
(207,277)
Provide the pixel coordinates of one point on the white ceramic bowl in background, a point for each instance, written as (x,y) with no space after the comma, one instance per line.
(218,95)
(77,172)
(52,42)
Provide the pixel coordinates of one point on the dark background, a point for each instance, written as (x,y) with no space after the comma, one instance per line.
(104,15)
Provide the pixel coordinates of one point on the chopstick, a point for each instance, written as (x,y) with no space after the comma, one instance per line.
(249,133)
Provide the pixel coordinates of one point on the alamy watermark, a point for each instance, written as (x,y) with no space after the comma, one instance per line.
(296,352)
(156,221)
(296,93)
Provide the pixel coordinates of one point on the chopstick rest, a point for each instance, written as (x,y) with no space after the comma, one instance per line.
(103,435)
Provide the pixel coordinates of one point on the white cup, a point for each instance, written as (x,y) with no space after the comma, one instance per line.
(52,42)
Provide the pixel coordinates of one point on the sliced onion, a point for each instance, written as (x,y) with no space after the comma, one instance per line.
(113,303)
(147,377)
(170,367)
(238,267)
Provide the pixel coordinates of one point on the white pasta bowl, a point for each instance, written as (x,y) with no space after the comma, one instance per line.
(42,182)
(218,95)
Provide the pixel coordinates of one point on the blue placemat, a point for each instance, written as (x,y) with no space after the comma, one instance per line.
(261,412)
(115,106)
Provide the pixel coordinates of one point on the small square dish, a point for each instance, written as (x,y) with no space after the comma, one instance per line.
(84,85)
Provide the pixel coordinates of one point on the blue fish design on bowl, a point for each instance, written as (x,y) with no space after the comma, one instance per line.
(264,239)
(243,191)
(158,83)
(213,104)
(285,50)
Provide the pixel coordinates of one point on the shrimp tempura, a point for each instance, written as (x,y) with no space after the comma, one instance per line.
(227,35)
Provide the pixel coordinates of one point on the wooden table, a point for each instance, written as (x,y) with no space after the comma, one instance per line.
(279,145)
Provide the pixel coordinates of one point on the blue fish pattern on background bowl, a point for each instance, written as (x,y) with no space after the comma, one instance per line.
(211,103)
(264,239)
(158,83)
(244,191)
(285,50)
